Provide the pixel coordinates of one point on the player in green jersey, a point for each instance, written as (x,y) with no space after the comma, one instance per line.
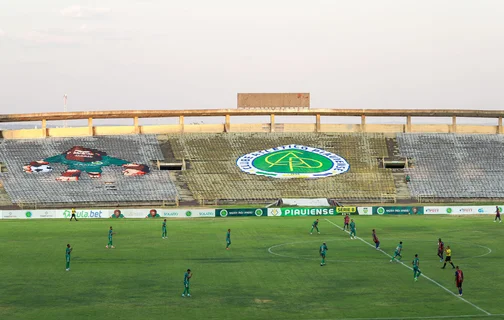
(322,250)
(67,256)
(187,277)
(397,252)
(163,229)
(416,266)
(352,230)
(228,239)
(110,234)
(315,226)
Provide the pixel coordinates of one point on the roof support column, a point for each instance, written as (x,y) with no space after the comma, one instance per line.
(499,128)
(227,123)
(363,123)
(454,124)
(135,123)
(44,128)
(181,123)
(272,122)
(317,122)
(408,123)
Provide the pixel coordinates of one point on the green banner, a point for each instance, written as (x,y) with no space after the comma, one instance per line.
(307,211)
(398,210)
(248,212)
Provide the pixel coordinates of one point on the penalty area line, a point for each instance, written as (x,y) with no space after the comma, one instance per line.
(426,277)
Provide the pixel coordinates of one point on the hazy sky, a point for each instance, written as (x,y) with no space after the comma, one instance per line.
(162,54)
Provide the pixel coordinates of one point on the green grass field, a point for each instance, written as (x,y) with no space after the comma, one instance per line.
(271,272)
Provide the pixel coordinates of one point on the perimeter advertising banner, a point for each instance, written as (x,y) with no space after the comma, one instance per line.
(248,212)
(398,210)
(107,213)
(462,209)
(307,211)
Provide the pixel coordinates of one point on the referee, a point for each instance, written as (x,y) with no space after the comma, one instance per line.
(73,215)
(448,258)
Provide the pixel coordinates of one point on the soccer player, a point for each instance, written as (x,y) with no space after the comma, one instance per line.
(397,252)
(440,249)
(448,258)
(497,214)
(73,215)
(322,250)
(187,277)
(164,234)
(110,234)
(459,278)
(416,266)
(67,256)
(228,239)
(375,240)
(352,230)
(315,226)
(347,221)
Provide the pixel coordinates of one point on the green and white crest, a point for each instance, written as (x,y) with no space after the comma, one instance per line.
(293,161)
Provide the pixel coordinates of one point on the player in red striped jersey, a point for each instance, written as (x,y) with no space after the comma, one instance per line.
(459,278)
(497,214)
(375,240)
(440,249)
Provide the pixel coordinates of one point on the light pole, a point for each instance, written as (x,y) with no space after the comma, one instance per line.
(65,108)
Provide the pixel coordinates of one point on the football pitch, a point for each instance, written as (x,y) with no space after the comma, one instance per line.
(271,272)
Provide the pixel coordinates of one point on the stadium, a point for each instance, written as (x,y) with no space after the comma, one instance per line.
(267,182)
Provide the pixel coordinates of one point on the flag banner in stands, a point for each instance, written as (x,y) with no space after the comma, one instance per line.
(398,210)
(80,159)
(303,211)
(462,209)
(248,212)
(365,211)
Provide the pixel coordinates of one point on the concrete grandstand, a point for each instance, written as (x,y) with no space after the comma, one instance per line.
(196,163)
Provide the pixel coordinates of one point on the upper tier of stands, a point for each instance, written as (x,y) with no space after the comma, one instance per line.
(111,188)
(454,165)
(213,173)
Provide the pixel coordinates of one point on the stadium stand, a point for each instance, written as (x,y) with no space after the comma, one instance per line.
(213,174)
(111,188)
(454,165)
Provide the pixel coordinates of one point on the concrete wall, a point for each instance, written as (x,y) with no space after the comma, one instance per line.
(259,127)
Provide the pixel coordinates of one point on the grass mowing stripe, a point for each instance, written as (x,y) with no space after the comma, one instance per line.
(426,277)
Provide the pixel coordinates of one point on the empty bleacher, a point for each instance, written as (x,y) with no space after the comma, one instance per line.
(39,189)
(454,165)
(213,174)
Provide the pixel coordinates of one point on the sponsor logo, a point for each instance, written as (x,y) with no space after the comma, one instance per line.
(28,214)
(449,210)
(258,212)
(84,214)
(188,213)
(293,161)
(380,210)
(309,212)
(432,210)
(207,214)
(346,209)
(465,210)
(276,212)
(223,213)
(481,210)
(366,210)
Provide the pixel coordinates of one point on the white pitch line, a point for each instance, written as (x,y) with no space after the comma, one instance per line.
(426,277)
(425,318)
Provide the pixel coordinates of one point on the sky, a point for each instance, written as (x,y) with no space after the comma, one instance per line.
(198,54)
